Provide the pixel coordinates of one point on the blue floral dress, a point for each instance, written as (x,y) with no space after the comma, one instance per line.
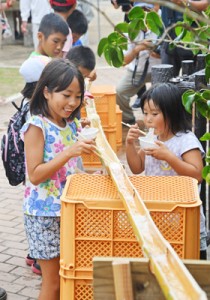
(44,199)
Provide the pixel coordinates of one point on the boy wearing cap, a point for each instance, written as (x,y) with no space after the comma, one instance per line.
(52,34)
(64,8)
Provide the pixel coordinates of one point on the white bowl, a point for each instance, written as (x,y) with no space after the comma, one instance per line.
(147,144)
(88,133)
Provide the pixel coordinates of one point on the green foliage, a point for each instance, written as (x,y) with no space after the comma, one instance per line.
(187,34)
(113,46)
(207,70)
(154,23)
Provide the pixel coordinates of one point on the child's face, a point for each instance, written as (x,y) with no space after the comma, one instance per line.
(62,104)
(153,117)
(75,37)
(53,45)
(85,72)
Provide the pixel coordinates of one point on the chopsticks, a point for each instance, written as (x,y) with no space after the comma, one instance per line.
(128,125)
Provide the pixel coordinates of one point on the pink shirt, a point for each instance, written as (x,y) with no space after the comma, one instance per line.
(68,43)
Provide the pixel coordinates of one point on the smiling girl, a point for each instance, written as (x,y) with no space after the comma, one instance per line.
(51,153)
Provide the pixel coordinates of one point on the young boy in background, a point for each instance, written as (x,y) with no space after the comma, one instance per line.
(52,34)
(64,8)
(79,26)
(84,59)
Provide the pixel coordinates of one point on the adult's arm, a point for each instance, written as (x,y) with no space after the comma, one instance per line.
(25,9)
(194,5)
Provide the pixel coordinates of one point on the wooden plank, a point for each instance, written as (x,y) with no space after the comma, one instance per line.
(122,280)
(145,285)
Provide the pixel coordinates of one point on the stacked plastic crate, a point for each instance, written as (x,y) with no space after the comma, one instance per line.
(94,223)
(110,116)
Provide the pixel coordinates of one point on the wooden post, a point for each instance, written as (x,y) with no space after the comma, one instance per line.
(161,73)
(187,67)
(122,280)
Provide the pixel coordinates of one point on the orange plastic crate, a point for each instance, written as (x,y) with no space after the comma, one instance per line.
(95,223)
(105,102)
(92,160)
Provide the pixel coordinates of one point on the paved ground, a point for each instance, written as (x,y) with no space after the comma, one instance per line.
(15,276)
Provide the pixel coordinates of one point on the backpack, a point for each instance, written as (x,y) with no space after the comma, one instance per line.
(12,146)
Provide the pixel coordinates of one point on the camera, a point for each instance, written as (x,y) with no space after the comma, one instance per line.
(125,4)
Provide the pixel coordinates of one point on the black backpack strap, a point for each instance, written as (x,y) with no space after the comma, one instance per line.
(144,74)
(21,105)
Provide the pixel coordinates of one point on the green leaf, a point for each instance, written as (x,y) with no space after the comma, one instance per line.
(187,19)
(113,38)
(122,42)
(134,28)
(154,22)
(136,13)
(202,107)
(182,35)
(207,70)
(103,42)
(187,100)
(117,57)
(122,27)
(114,56)
(205,137)
(207,60)
(207,73)
(206,94)
(206,174)
(107,55)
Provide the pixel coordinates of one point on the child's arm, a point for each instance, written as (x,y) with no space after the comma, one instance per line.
(38,170)
(92,76)
(191,165)
(135,158)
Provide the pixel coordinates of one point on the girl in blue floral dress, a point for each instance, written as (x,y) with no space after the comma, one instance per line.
(51,152)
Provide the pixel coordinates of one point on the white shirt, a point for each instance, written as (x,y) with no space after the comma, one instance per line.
(142,54)
(37,9)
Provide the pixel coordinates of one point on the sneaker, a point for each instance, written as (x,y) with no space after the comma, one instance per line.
(36,268)
(136,103)
(29,260)
(3,294)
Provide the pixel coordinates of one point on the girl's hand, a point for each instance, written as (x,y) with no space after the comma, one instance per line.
(86,146)
(133,134)
(84,122)
(159,153)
